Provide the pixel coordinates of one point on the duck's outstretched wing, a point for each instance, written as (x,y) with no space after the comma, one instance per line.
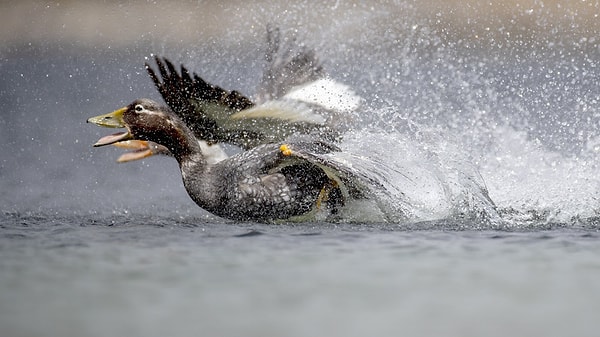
(220,116)
(203,107)
(294,73)
(289,65)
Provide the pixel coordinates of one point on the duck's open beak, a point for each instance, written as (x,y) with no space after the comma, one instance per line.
(111,120)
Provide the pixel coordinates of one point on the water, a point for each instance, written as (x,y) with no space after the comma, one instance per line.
(152,276)
(508,100)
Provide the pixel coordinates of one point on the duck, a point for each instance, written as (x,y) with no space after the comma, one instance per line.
(295,97)
(278,181)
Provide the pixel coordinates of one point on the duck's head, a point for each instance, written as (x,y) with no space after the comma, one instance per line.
(144,120)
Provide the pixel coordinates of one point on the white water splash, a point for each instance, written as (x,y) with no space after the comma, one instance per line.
(536,186)
(423,176)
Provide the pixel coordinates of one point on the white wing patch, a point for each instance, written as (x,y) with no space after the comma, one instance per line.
(327,93)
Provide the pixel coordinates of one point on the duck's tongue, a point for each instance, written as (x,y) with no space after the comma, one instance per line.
(115,137)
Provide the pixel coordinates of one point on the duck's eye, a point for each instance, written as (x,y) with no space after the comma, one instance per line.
(139,108)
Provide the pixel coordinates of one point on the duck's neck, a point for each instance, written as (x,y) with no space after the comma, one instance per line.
(201,183)
(182,143)
(185,148)
(195,170)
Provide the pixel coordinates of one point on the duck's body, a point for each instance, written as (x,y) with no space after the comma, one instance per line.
(270,182)
(253,185)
